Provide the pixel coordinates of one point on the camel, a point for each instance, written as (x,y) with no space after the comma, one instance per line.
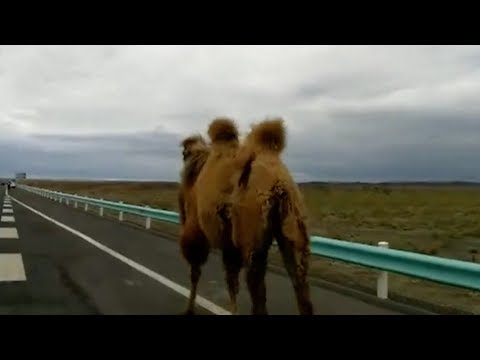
(204,205)
(266,203)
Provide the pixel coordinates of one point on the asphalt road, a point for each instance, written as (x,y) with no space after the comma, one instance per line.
(107,267)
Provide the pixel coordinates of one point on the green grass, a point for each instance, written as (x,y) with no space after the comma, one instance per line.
(436,220)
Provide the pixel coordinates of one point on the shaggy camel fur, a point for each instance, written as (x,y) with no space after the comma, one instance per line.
(267,204)
(204,203)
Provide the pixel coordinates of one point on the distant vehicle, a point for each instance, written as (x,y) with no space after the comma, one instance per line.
(12,184)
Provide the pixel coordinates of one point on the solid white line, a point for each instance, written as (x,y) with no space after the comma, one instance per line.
(7,219)
(8,233)
(11,268)
(201,301)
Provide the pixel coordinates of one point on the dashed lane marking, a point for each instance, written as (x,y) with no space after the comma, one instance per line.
(8,211)
(11,268)
(7,219)
(8,233)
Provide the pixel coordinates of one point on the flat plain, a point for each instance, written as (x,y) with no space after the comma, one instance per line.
(434,219)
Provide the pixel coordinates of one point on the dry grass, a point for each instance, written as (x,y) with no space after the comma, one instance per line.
(437,220)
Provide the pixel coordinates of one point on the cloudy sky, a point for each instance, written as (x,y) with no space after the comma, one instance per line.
(353,113)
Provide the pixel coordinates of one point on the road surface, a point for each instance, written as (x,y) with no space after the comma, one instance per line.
(66,261)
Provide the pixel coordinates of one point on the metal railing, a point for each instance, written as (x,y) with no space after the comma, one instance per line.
(441,270)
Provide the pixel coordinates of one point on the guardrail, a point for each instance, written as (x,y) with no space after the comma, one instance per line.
(441,270)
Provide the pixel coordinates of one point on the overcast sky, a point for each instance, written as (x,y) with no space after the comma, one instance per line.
(353,113)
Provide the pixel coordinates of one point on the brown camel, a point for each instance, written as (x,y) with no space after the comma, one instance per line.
(267,204)
(204,204)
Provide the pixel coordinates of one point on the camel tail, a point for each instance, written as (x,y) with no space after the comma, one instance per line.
(245,164)
(223,130)
(270,135)
(288,218)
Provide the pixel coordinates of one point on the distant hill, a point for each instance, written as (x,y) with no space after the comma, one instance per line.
(393,183)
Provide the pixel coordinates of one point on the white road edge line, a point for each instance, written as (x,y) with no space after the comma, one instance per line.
(201,301)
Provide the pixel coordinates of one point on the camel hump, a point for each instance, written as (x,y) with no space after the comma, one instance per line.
(223,129)
(270,135)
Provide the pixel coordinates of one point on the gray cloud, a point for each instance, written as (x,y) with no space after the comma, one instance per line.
(354,113)
(137,156)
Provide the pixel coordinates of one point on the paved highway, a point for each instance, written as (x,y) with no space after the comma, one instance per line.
(55,259)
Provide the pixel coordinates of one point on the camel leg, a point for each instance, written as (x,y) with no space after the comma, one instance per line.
(296,262)
(195,272)
(195,250)
(256,269)
(232,262)
(254,245)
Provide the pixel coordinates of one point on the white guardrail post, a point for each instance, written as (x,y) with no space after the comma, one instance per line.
(120,214)
(101,208)
(76,202)
(86,206)
(382,281)
(148,221)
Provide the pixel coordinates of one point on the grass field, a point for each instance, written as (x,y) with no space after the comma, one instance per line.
(435,220)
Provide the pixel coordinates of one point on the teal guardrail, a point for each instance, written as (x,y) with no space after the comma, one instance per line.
(156,214)
(441,270)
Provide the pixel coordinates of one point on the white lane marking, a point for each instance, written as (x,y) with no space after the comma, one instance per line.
(8,211)
(8,233)
(11,268)
(201,301)
(7,206)
(7,219)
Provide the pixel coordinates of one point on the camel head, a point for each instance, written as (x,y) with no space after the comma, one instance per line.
(191,145)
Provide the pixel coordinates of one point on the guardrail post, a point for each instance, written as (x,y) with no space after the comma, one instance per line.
(67,201)
(76,202)
(148,221)
(382,281)
(120,214)
(86,206)
(101,209)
